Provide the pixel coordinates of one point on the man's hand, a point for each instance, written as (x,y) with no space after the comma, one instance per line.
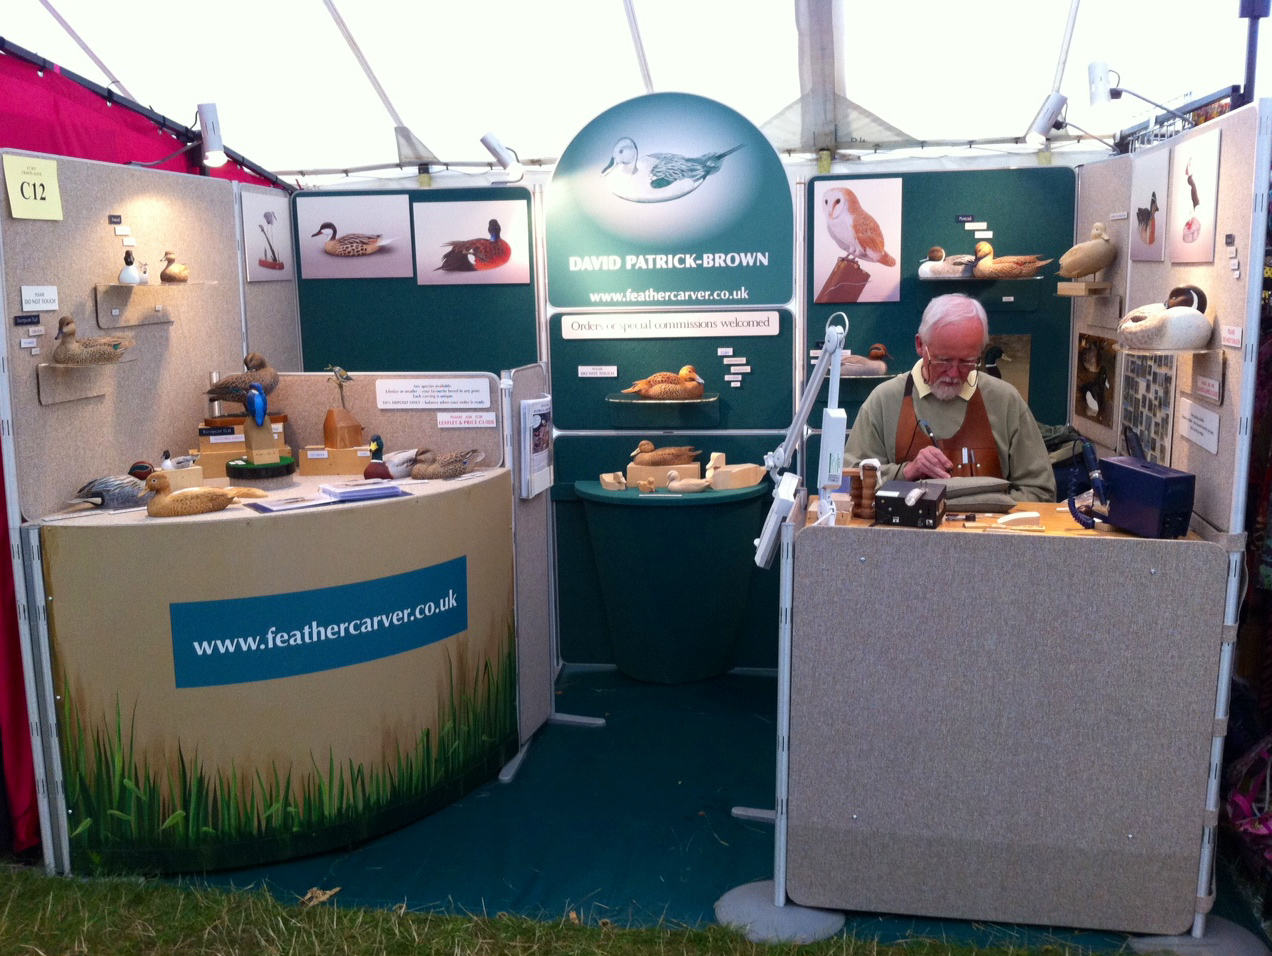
(930,462)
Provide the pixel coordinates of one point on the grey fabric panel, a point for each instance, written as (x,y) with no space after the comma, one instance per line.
(1021,725)
(533,574)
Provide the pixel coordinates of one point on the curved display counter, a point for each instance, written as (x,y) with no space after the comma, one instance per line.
(238,687)
(674,571)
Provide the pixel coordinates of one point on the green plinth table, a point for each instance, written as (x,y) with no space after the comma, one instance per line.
(674,572)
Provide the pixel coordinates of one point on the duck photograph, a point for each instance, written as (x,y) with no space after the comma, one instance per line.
(354,237)
(472,243)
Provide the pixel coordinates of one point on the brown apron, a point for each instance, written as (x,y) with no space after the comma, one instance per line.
(972,448)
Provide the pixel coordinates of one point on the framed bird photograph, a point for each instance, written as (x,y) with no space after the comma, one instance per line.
(472,243)
(856,232)
(1194,197)
(266,237)
(1150,185)
(1095,379)
(354,236)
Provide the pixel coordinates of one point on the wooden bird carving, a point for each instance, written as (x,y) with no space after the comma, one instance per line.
(1089,257)
(174,271)
(989,266)
(669,386)
(117,491)
(854,230)
(477,255)
(351,243)
(938,265)
(447,465)
(199,500)
(686,486)
(234,388)
(72,350)
(874,363)
(647,454)
(391,464)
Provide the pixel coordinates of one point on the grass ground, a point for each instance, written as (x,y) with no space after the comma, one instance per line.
(42,915)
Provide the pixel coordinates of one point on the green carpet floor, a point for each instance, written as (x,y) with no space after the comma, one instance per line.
(630,823)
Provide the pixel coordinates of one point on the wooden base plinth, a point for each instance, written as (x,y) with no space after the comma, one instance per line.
(319,460)
(1083,288)
(213,462)
(658,473)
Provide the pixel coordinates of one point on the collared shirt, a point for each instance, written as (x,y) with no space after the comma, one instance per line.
(922,389)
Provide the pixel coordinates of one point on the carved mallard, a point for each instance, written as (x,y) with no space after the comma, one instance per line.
(647,454)
(72,350)
(117,491)
(352,243)
(198,500)
(234,388)
(990,266)
(448,465)
(391,464)
(669,386)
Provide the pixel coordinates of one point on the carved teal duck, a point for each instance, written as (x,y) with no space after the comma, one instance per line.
(94,351)
(117,491)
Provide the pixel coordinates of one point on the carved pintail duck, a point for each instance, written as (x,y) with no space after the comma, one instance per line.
(102,350)
(233,388)
(647,454)
(174,271)
(658,177)
(168,463)
(477,255)
(199,500)
(350,244)
(938,265)
(448,465)
(117,491)
(393,464)
(685,384)
(989,266)
(874,363)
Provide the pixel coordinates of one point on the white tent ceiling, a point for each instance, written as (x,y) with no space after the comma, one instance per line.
(292,96)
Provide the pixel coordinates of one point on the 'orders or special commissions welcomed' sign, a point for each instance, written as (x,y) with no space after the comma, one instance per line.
(241,640)
(669,201)
(432,392)
(668,325)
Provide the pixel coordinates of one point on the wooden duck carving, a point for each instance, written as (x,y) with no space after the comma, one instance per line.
(647,454)
(174,271)
(234,388)
(448,465)
(117,491)
(686,486)
(1088,258)
(989,266)
(669,386)
(391,464)
(71,350)
(938,265)
(199,500)
(352,243)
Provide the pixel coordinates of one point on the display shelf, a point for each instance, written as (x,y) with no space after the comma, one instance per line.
(1130,351)
(58,383)
(120,305)
(631,411)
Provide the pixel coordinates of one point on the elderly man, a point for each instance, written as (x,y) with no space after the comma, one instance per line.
(981,425)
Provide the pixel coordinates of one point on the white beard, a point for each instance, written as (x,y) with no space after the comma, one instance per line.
(946,391)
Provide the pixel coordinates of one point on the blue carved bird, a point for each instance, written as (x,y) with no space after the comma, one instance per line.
(117,491)
(658,177)
(255,404)
(477,255)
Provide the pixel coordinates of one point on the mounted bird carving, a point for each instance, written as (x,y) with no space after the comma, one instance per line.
(990,266)
(1089,257)
(647,454)
(234,388)
(102,350)
(669,386)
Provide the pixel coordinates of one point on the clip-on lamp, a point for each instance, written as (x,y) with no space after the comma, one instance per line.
(830,466)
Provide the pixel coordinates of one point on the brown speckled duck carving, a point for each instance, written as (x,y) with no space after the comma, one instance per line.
(234,388)
(647,454)
(71,350)
(669,386)
(199,500)
(452,464)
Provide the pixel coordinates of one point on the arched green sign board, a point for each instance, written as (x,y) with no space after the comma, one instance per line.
(669,201)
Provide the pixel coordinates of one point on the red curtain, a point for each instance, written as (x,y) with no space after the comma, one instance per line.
(45,112)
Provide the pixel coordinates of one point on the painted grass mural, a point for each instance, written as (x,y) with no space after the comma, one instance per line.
(126,813)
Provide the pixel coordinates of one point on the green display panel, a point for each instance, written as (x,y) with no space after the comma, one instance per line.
(1028,211)
(372,312)
(589,374)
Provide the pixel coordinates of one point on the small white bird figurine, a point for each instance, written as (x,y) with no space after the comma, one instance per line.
(1088,258)
(854,230)
(686,485)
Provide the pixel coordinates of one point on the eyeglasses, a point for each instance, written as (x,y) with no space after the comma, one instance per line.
(965,367)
